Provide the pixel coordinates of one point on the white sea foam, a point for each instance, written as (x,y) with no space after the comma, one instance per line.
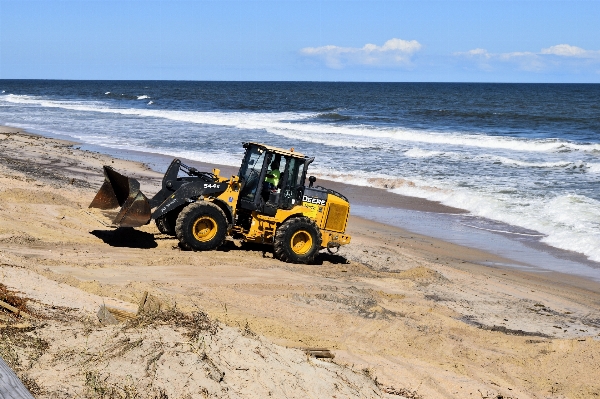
(143,97)
(519,163)
(593,167)
(108,92)
(569,222)
(420,153)
(150,102)
(489,158)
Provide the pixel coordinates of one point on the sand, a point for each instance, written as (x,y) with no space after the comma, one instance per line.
(405,315)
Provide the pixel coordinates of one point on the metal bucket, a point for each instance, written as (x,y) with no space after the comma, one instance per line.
(122,191)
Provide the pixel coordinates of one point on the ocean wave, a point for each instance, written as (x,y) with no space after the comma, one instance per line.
(143,97)
(333,116)
(291,121)
(420,153)
(593,167)
(570,222)
(331,141)
(555,164)
(488,158)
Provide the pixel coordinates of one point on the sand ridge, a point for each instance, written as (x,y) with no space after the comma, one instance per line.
(416,313)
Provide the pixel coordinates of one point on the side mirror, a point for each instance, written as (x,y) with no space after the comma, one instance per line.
(312,180)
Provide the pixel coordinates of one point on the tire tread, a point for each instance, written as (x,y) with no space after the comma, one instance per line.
(183,215)
(280,248)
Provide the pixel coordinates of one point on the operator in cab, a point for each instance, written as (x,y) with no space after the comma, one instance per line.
(273,174)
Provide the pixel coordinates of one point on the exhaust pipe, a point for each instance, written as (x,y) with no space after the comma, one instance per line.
(121,191)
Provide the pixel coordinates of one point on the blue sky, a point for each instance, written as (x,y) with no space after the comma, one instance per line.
(436,41)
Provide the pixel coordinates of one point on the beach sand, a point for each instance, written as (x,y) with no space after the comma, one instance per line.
(406,315)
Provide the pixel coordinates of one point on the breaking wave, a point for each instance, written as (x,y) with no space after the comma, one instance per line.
(280,122)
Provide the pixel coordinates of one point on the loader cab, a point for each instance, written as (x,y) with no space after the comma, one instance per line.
(272,178)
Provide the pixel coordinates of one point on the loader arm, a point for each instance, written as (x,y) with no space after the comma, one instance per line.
(135,208)
(188,192)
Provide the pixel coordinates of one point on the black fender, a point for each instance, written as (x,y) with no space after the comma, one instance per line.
(170,184)
(188,192)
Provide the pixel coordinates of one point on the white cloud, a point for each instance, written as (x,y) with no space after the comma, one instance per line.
(478,52)
(394,52)
(553,56)
(566,50)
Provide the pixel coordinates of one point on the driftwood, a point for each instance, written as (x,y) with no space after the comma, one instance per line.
(121,315)
(14,310)
(11,386)
(108,315)
(319,353)
(149,304)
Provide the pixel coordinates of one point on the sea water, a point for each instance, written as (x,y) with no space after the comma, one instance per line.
(526,155)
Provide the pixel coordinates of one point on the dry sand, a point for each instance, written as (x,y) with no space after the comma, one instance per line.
(405,315)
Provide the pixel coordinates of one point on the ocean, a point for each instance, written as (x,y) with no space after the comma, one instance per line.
(524,155)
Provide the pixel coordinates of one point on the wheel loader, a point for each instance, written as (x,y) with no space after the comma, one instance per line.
(267,202)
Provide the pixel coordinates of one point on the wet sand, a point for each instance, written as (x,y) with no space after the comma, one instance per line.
(419,314)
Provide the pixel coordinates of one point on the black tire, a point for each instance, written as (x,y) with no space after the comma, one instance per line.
(166,223)
(297,240)
(201,226)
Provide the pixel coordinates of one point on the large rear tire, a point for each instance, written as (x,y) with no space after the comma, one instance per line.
(297,240)
(201,226)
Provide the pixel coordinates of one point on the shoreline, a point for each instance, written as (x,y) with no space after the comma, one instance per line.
(419,313)
(519,251)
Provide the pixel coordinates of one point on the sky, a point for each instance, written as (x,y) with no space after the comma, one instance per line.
(400,41)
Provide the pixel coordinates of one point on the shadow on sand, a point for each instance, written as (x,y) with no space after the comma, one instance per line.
(267,252)
(126,237)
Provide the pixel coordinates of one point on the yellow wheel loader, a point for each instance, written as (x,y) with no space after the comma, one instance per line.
(267,202)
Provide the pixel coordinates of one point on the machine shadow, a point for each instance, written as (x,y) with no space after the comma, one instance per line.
(267,251)
(127,237)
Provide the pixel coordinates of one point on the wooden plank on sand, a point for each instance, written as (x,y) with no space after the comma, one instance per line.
(14,310)
(11,386)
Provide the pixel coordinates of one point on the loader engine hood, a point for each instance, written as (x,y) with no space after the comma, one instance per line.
(334,207)
(318,195)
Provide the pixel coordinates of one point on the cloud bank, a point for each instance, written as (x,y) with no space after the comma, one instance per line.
(554,56)
(394,52)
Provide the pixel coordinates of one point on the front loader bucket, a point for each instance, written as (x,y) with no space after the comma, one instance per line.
(121,191)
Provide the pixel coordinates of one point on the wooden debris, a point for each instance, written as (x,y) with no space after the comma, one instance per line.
(142,302)
(108,315)
(149,304)
(319,353)
(14,310)
(121,315)
(105,317)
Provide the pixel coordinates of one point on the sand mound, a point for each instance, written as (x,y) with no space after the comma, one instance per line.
(161,360)
(21,195)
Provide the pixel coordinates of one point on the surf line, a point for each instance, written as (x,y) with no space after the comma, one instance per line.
(504,231)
